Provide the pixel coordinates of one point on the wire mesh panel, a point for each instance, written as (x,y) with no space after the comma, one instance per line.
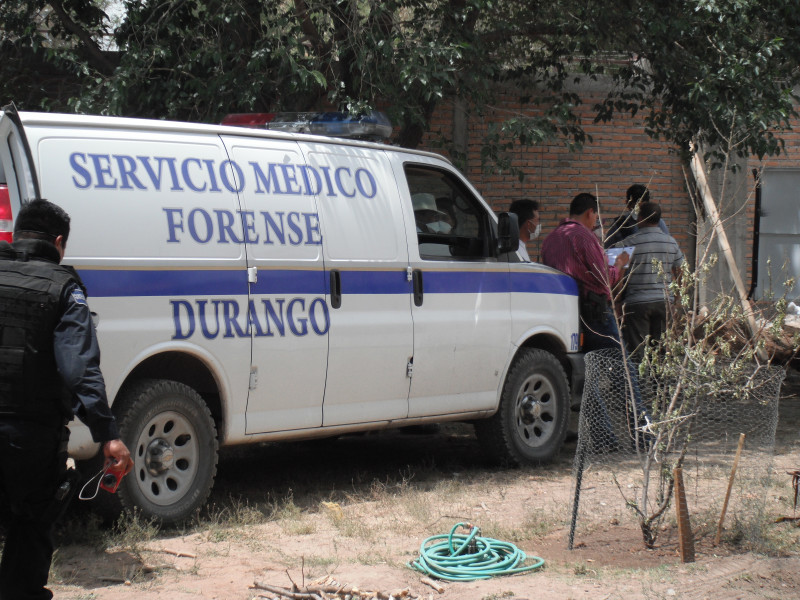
(638,422)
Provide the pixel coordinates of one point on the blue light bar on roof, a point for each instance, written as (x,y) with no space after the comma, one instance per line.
(373,125)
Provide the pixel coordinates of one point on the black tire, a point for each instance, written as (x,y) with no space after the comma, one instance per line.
(173,442)
(530,425)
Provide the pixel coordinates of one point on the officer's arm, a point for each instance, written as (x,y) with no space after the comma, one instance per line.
(78,361)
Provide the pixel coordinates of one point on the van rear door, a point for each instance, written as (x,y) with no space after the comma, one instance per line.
(16,165)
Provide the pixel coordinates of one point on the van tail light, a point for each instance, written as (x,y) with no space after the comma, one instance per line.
(6,218)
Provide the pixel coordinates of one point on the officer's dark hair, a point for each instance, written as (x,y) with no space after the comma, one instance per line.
(524,210)
(42,220)
(581,203)
(649,213)
(635,194)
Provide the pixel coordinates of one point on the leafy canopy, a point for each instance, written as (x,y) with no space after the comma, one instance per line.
(697,70)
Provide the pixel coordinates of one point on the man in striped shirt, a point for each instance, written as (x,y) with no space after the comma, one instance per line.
(627,223)
(646,292)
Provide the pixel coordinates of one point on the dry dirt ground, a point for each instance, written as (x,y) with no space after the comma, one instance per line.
(357,509)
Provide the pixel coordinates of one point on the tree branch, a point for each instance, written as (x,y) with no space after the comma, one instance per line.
(309,28)
(87,43)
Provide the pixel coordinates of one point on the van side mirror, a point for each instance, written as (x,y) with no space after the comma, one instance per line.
(507,233)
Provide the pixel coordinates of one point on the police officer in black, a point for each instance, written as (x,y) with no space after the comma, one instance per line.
(49,372)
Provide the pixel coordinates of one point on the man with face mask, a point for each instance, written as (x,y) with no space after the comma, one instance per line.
(428,217)
(527,212)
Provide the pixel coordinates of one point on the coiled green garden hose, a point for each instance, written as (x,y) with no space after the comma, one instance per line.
(456,557)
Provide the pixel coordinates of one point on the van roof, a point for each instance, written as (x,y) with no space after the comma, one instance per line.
(107,122)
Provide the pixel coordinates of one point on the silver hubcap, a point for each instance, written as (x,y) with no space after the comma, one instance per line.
(536,408)
(166,458)
(160,457)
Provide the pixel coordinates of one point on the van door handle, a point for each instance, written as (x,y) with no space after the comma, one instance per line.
(416,278)
(336,289)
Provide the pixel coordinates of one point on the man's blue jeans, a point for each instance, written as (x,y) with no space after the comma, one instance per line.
(600,333)
(604,334)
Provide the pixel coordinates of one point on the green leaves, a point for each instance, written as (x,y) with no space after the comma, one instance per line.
(719,72)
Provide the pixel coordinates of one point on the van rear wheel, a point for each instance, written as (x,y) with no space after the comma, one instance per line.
(531,423)
(172,438)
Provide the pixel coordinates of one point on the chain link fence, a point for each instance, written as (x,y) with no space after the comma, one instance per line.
(636,425)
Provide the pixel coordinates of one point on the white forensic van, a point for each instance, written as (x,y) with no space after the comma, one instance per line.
(255,285)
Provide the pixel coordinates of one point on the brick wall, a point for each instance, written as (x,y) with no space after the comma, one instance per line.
(619,155)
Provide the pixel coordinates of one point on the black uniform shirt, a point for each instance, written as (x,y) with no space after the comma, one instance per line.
(75,348)
(78,360)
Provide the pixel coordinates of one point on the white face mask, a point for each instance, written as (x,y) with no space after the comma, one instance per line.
(439,227)
(536,231)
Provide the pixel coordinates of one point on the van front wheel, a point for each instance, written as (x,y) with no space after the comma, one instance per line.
(531,423)
(173,442)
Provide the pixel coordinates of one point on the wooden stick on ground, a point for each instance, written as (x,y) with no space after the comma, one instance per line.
(178,553)
(728,493)
(286,593)
(685,537)
(430,582)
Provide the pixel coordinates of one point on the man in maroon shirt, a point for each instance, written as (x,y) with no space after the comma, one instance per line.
(575,250)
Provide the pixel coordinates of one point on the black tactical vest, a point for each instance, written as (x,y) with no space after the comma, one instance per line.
(30,308)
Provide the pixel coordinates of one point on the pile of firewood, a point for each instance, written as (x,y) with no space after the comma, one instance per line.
(330,589)
(780,346)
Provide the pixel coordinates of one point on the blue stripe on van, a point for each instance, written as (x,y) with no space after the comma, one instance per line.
(288,281)
(111,283)
(374,282)
(464,282)
(544,283)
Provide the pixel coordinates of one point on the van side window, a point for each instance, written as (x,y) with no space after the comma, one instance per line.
(451,223)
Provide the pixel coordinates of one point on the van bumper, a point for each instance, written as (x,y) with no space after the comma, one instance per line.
(577,377)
